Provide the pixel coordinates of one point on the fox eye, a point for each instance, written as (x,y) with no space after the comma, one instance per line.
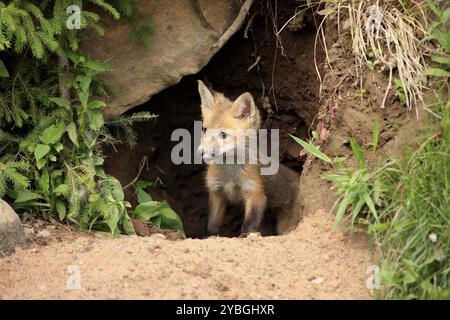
(223,134)
(203,129)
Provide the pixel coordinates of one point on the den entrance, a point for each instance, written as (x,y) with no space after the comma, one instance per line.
(280,74)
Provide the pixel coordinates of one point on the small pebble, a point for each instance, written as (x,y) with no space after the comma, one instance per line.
(159,236)
(318,280)
(43,233)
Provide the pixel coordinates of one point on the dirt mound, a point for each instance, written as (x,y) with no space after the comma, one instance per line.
(312,262)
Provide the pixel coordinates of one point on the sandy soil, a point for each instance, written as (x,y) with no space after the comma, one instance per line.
(313,262)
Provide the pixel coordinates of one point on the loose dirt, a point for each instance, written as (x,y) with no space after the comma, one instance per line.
(312,262)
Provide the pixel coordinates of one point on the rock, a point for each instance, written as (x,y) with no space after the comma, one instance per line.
(317,280)
(159,236)
(43,234)
(11,230)
(29,231)
(186,34)
(253,235)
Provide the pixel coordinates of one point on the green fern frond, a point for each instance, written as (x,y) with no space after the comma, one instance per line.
(13,172)
(127,7)
(107,7)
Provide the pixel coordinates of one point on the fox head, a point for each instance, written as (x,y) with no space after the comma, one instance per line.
(224,122)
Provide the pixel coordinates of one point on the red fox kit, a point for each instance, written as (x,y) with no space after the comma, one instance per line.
(242,183)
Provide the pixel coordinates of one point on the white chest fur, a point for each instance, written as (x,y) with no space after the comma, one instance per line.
(231,182)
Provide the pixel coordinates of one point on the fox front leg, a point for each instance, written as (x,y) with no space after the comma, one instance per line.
(217,207)
(255,205)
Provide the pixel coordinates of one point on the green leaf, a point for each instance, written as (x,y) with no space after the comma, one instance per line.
(96,66)
(443,39)
(312,149)
(96,120)
(435,9)
(169,219)
(142,184)
(41,163)
(73,56)
(358,153)
(113,185)
(342,208)
(62,102)
(377,191)
(62,190)
(371,205)
(441,60)
(357,209)
(435,72)
(445,16)
(24,196)
(61,208)
(336,178)
(143,196)
(156,221)
(58,147)
(97,160)
(128,225)
(41,151)
(44,181)
(113,219)
(73,135)
(52,134)
(85,82)
(96,104)
(147,210)
(84,97)
(3,71)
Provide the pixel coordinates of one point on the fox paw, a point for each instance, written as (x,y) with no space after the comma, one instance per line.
(250,235)
(213,230)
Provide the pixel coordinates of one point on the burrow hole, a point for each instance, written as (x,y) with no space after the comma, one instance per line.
(290,83)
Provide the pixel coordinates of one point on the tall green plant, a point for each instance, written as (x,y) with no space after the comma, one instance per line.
(50,143)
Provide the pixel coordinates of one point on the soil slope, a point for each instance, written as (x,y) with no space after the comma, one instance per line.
(313,262)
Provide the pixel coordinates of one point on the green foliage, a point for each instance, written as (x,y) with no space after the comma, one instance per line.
(312,149)
(41,25)
(141,28)
(357,189)
(400,91)
(415,244)
(441,34)
(405,203)
(13,173)
(159,213)
(121,126)
(62,143)
(50,142)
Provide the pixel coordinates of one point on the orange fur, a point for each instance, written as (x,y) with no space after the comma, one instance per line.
(242,183)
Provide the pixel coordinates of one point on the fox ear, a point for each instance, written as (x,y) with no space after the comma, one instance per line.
(244,106)
(207,99)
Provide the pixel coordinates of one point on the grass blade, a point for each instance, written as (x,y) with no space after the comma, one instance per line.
(312,149)
(358,153)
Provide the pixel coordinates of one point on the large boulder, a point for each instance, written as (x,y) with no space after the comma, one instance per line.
(186,34)
(11,230)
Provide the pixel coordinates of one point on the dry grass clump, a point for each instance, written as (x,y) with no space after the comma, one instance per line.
(388,35)
(392,37)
